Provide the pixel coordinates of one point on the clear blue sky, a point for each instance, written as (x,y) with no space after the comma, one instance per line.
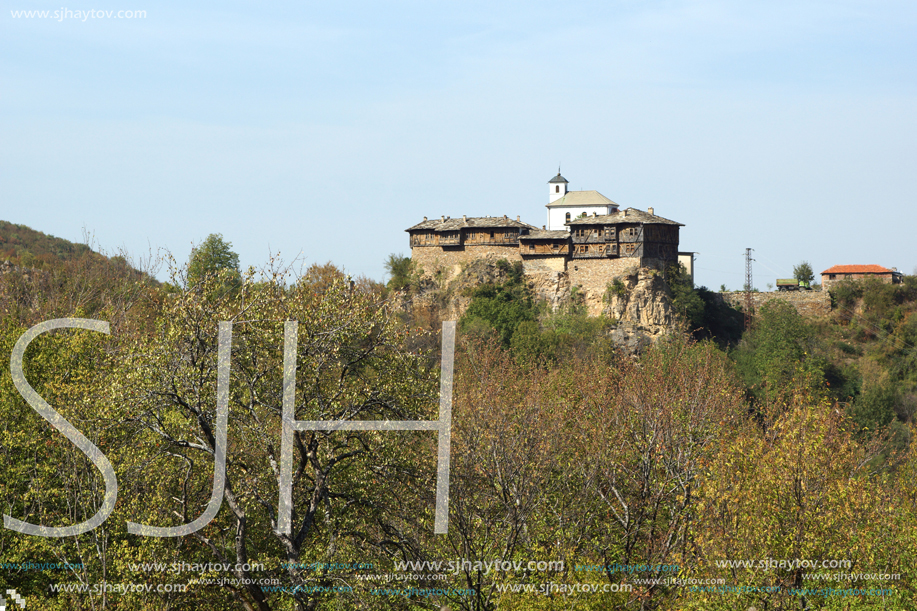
(328,128)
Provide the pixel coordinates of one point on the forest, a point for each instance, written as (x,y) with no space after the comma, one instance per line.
(768,468)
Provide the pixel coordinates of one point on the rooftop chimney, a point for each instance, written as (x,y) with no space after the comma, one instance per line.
(443,218)
(650,210)
(424,218)
(464,218)
(594,213)
(625,212)
(517,217)
(542,226)
(504,218)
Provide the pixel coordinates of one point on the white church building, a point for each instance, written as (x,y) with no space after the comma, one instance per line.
(565,206)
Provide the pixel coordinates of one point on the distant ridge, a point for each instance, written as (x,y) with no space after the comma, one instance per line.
(25,247)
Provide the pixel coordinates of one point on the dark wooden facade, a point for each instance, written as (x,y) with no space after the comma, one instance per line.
(625,233)
(632,233)
(545,243)
(447,232)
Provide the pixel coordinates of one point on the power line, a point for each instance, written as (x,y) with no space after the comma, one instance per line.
(881,334)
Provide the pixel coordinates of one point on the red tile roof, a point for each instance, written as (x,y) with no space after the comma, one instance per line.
(857,269)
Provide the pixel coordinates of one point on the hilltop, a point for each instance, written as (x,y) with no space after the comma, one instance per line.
(43,276)
(22,247)
(26,247)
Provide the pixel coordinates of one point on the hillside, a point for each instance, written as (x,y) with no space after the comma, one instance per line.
(855,345)
(25,247)
(42,276)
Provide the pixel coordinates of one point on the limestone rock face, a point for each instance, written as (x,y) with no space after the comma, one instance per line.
(550,286)
(631,339)
(446,295)
(642,305)
(644,302)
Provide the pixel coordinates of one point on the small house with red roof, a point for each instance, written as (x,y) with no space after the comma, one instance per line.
(837,273)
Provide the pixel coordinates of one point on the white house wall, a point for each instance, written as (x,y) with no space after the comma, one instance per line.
(558,216)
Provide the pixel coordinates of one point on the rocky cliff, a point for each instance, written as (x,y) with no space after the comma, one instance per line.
(638,300)
(642,305)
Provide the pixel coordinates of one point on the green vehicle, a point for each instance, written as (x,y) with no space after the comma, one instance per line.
(792,284)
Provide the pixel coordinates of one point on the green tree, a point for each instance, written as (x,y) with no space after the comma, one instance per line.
(685,299)
(400,270)
(781,347)
(799,490)
(214,256)
(803,272)
(501,306)
(874,408)
(351,489)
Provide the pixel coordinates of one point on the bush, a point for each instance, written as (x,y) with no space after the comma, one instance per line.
(779,353)
(501,306)
(615,288)
(531,346)
(848,348)
(874,409)
(845,293)
(685,299)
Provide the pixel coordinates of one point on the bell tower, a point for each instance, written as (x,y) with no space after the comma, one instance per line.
(557,187)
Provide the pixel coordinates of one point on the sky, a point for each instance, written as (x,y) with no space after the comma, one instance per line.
(321,131)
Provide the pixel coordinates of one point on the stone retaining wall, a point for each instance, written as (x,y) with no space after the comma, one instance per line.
(807,303)
(592,277)
(432,259)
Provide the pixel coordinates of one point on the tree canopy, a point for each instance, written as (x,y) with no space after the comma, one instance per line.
(803,272)
(212,256)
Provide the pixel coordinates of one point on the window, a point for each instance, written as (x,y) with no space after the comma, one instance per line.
(557,188)
(567,217)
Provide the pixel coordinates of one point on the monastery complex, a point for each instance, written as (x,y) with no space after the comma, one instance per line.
(587,242)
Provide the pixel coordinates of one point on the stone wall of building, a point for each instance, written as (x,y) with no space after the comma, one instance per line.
(827,282)
(432,259)
(535,265)
(548,279)
(807,303)
(591,277)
